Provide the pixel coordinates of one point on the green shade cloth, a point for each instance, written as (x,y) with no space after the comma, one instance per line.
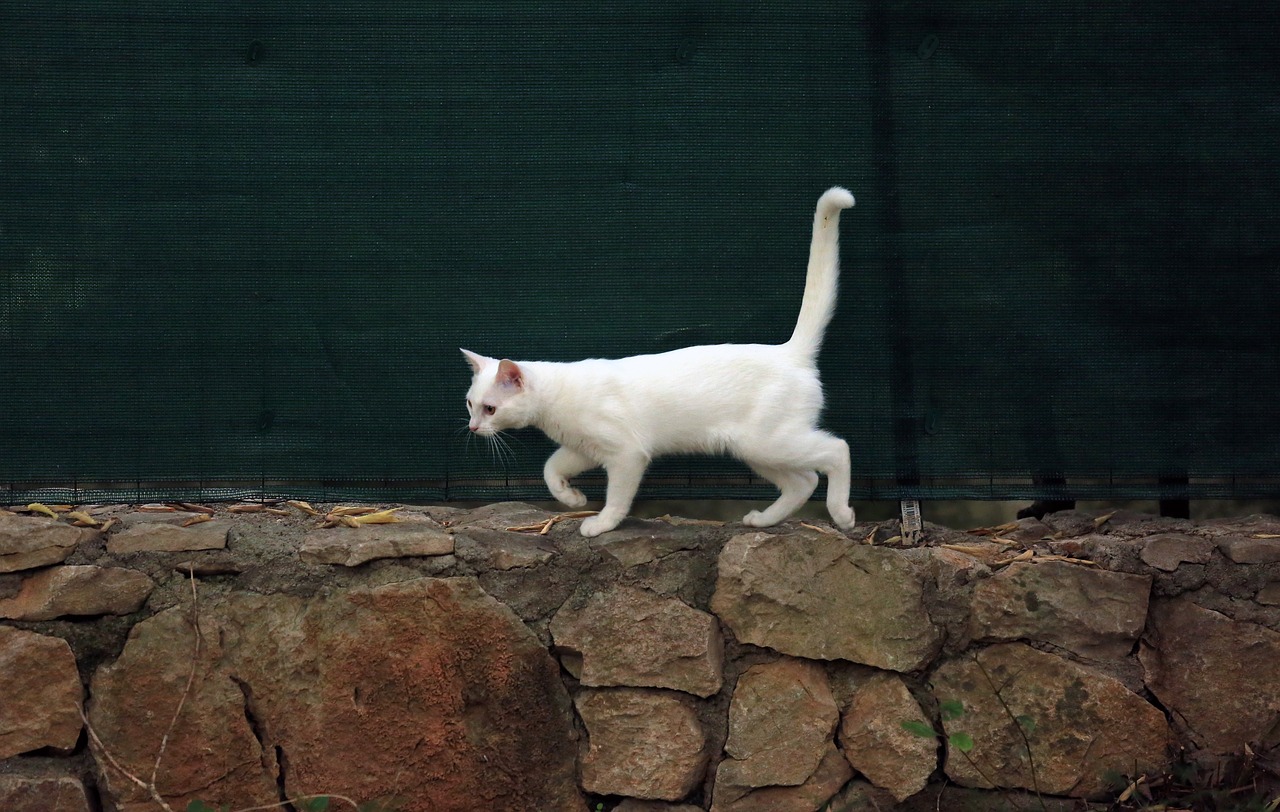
(241,242)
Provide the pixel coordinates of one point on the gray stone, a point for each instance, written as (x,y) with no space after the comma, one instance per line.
(1219,677)
(825,597)
(41,694)
(52,791)
(641,742)
(1168,551)
(501,550)
(879,747)
(27,542)
(1269,595)
(169,538)
(636,543)
(832,773)
(353,546)
(1024,707)
(78,591)
(781,721)
(636,805)
(1250,550)
(1092,612)
(631,637)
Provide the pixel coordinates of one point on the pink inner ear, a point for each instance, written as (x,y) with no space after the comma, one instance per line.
(509,374)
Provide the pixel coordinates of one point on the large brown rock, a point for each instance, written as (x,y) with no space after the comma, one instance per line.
(629,636)
(1081,726)
(353,546)
(1092,612)
(832,772)
(40,693)
(824,597)
(1219,677)
(78,591)
(48,792)
(641,742)
(27,542)
(158,536)
(306,696)
(781,721)
(876,743)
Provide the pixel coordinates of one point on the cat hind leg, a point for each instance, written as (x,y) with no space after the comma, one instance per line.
(796,487)
(561,467)
(832,460)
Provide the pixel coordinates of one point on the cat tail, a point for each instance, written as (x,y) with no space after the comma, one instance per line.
(819,302)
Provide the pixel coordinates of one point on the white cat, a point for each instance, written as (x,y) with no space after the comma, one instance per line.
(758,402)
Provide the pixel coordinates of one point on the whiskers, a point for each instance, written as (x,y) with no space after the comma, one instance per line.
(501,454)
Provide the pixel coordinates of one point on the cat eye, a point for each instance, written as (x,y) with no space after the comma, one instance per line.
(490,409)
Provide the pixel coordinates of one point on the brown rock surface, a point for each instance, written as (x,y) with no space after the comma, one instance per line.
(299,691)
(42,793)
(781,721)
(1219,677)
(1092,612)
(1168,551)
(630,636)
(877,745)
(1081,725)
(1250,549)
(832,773)
(27,542)
(78,591)
(160,536)
(40,693)
(824,597)
(353,546)
(641,742)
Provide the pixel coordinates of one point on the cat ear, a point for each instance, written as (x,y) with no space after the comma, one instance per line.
(477,362)
(509,374)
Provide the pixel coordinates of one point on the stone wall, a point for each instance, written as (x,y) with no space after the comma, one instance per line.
(495,660)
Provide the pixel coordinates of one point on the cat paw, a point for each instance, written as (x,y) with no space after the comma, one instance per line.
(596,525)
(757,519)
(570,497)
(843,518)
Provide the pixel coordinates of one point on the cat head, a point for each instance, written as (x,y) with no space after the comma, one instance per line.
(498,398)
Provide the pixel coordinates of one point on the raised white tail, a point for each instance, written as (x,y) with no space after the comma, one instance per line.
(820,282)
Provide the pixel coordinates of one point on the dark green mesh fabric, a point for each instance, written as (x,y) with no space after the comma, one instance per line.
(241,242)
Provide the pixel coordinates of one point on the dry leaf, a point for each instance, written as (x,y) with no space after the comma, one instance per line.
(1101,520)
(36,507)
(247,507)
(824,530)
(1023,556)
(381,517)
(349,521)
(196,508)
(1067,559)
(892,540)
(352,510)
(992,531)
(82,519)
(305,507)
(1265,536)
(277,512)
(4,512)
(108,524)
(198,519)
(156,508)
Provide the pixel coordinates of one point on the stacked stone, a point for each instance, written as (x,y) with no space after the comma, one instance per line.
(494,659)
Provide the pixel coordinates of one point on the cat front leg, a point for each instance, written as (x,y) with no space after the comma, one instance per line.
(562,466)
(625,473)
